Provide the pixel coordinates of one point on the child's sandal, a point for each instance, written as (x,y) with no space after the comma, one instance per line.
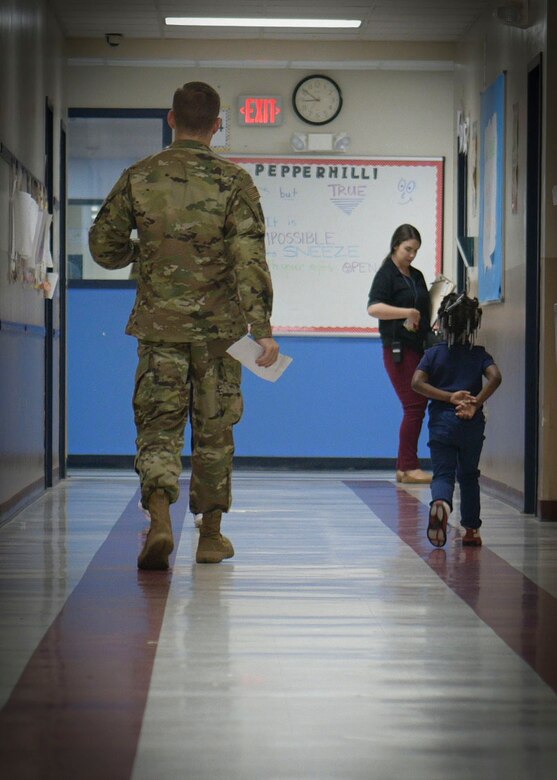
(437,526)
(472,538)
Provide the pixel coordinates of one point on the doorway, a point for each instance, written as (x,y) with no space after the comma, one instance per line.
(533,229)
(62,304)
(49,354)
(101,358)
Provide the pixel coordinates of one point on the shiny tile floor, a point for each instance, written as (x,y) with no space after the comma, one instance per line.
(336,645)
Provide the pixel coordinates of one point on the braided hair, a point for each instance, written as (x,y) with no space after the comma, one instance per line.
(459,318)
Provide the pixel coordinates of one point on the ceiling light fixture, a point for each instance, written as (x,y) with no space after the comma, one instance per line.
(194,21)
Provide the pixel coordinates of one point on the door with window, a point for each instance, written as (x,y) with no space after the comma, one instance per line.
(101,358)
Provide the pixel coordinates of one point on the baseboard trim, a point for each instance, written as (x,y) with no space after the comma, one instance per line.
(287,464)
(121,462)
(508,495)
(548,510)
(10,508)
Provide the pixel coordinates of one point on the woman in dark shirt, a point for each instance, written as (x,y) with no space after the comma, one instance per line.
(399,299)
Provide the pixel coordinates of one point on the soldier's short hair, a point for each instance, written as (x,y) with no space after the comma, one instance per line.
(196,106)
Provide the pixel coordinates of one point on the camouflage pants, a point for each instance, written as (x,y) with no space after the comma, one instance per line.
(174,381)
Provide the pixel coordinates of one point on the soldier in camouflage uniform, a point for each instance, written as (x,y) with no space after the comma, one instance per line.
(202,279)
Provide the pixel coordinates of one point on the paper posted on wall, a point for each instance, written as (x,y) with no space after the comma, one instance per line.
(26,214)
(30,230)
(246,350)
(40,242)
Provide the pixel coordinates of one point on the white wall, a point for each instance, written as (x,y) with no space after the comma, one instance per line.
(385,112)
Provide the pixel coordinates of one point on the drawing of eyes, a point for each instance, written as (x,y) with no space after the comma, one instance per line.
(406,188)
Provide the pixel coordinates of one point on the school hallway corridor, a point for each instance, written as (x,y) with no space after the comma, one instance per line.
(337,644)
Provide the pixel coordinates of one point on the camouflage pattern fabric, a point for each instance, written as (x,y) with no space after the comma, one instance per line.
(201,269)
(202,279)
(170,379)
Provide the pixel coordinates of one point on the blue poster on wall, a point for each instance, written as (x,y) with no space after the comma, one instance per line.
(492,191)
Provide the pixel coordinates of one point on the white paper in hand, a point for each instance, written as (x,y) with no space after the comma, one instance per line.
(246,350)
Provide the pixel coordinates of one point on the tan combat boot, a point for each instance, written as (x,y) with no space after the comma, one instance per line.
(159,543)
(213,547)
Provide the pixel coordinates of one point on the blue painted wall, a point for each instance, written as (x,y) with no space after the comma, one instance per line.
(334,401)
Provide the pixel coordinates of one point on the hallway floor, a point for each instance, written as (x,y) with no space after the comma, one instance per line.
(337,644)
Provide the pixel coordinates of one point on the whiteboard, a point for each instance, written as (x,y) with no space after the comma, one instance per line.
(329,222)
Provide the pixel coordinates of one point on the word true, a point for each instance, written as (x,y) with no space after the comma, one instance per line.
(317,172)
(338,190)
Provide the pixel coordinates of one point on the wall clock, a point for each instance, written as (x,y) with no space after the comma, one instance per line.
(317,99)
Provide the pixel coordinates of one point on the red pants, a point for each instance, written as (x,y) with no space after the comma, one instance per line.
(413,405)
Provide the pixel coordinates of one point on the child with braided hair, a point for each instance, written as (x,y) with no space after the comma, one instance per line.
(451,375)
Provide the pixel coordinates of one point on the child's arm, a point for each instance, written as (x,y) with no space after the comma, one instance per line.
(421,385)
(494,379)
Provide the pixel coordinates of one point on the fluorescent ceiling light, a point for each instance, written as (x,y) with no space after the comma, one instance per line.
(194,21)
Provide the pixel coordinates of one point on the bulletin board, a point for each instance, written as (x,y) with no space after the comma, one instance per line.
(329,222)
(492,191)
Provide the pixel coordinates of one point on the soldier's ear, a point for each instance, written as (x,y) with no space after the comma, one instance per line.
(171,119)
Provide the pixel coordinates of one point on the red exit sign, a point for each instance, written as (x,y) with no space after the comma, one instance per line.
(260,110)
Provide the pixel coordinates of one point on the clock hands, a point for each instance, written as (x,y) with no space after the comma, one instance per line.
(317,99)
(310,97)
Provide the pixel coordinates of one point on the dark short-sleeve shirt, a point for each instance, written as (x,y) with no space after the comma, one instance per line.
(454,368)
(392,287)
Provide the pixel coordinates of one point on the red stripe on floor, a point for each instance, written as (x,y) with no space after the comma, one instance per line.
(77,709)
(521,613)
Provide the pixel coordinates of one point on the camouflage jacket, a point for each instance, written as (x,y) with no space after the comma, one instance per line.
(200,255)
